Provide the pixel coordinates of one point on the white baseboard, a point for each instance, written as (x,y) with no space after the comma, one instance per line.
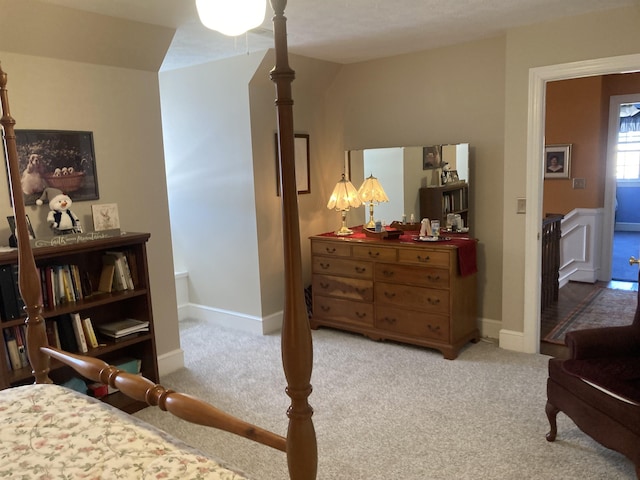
(511,340)
(627,227)
(229,319)
(490,328)
(170,362)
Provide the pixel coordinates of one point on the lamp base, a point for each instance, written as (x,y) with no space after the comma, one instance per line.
(343,232)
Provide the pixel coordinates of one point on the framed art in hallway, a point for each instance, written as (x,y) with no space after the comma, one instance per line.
(557,161)
(301,155)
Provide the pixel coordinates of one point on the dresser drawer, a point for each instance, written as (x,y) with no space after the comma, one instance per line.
(373,252)
(343,311)
(408,322)
(411,275)
(331,249)
(424,256)
(342,266)
(343,287)
(427,299)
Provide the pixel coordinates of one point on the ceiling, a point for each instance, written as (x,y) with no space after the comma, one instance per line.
(345,31)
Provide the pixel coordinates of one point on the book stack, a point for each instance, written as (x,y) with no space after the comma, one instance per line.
(61,284)
(122,328)
(72,333)
(116,273)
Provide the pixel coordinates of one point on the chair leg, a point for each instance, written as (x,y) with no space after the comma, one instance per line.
(552,413)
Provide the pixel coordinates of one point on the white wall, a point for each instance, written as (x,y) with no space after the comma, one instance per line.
(205,116)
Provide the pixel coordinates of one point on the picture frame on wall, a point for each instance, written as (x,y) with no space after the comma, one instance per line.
(59,159)
(557,161)
(432,157)
(302,162)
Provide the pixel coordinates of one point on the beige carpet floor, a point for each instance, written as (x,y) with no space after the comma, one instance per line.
(387,411)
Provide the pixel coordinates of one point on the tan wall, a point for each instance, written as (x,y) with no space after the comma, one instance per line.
(448,95)
(120,104)
(600,35)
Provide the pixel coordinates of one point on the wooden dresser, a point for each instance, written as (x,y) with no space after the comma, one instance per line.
(400,290)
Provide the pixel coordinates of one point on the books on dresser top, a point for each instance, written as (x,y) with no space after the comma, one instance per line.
(122,328)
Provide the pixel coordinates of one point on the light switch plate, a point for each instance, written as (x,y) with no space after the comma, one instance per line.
(521,205)
(579,183)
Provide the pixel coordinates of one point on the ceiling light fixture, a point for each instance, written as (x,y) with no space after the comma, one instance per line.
(231,17)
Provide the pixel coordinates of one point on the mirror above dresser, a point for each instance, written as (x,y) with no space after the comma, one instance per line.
(403,171)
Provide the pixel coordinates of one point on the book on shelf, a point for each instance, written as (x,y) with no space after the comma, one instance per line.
(21,335)
(105,283)
(8,288)
(122,328)
(89,332)
(119,280)
(53,337)
(78,331)
(66,332)
(12,349)
(123,269)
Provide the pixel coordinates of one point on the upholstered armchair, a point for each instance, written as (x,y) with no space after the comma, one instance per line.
(598,387)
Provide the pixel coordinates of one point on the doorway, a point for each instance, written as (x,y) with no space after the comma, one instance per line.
(537,83)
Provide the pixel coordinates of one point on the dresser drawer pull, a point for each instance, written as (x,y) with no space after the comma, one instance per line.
(361,314)
(325,308)
(423,259)
(389,320)
(388,273)
(374,254)
(389,294)
(324,266)
(435,329)
(433,301)
(360,269)
(330,250)
(324,285)
(360,291)
(433,278)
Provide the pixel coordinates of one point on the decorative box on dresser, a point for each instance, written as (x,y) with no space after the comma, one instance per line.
(401,290)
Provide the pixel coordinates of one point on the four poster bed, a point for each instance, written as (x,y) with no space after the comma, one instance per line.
(49,431)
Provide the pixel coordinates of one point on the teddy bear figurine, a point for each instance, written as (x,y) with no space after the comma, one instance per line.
(60,218)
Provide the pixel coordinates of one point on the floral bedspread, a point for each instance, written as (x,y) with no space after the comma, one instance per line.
(51,432)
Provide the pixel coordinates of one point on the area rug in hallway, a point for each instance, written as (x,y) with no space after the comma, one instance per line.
(603,307)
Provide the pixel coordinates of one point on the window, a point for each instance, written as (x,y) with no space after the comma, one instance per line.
(628,158)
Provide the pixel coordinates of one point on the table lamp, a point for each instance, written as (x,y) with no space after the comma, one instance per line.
(344,197)
(372,192)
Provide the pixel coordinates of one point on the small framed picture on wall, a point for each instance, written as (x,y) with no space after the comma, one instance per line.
(557,161)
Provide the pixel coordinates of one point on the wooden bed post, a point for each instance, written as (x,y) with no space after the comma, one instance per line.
(28,278)
(297,349)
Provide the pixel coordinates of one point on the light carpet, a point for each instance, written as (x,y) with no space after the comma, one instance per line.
(386,411)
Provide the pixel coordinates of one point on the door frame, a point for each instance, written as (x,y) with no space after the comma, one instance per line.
(538,78)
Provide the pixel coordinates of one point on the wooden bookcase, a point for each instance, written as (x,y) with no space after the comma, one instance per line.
(100,307)
(437,202)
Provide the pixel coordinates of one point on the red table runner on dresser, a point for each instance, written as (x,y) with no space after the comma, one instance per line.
(466,246)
